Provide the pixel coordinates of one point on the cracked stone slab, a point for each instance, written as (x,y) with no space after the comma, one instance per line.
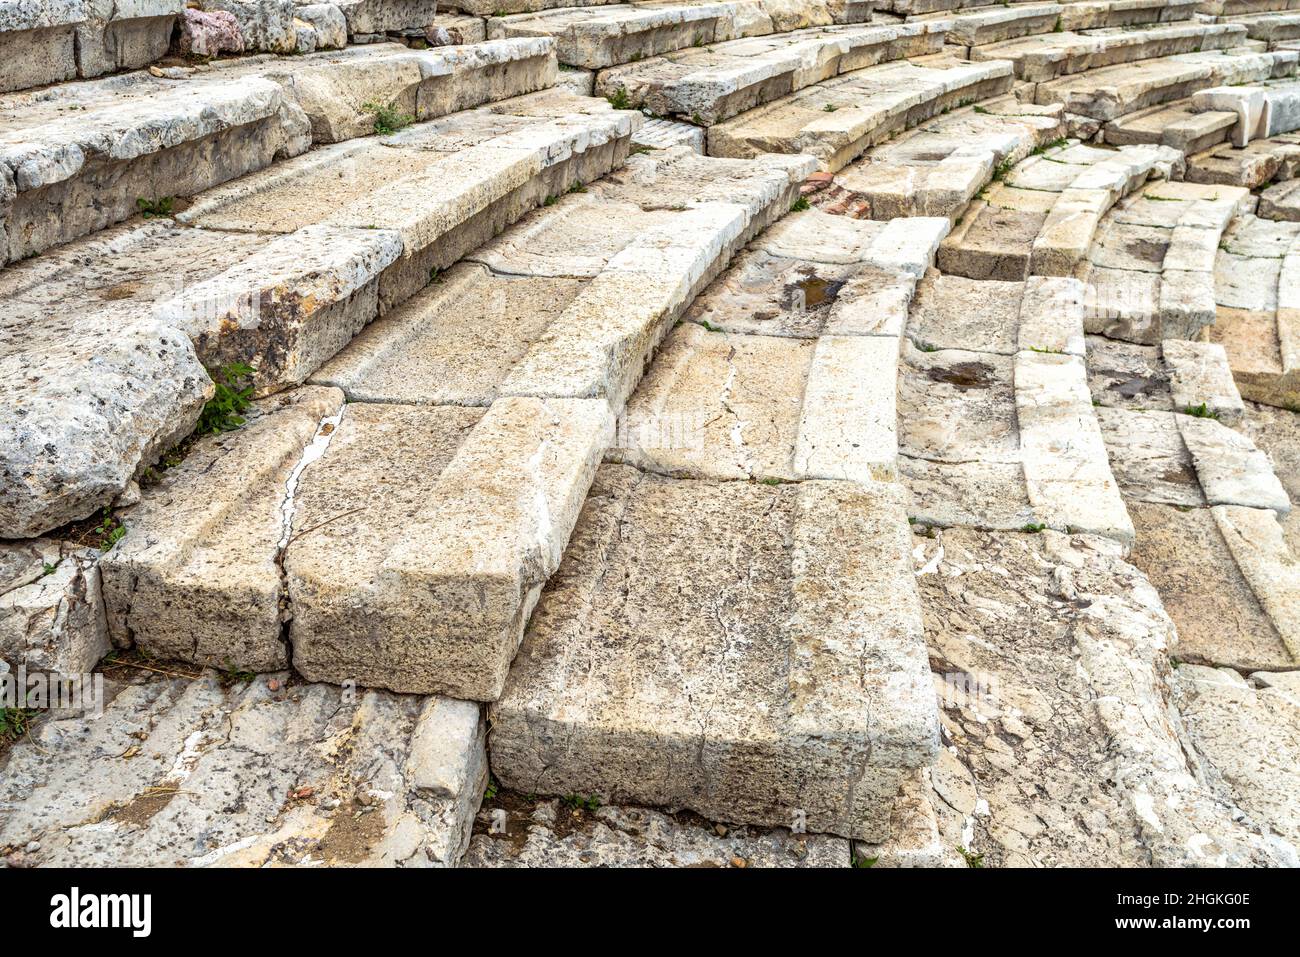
(438,577)
(1057,754)
(1247,732)
(866,108)
(1069,477)
(38,42)
(1231,469)
(1128,376)
(718,82)
(810,714)
(51,613)
(273,772)
(1220,620)
(196,576)
(1254,537)
(549,833)
(989,495)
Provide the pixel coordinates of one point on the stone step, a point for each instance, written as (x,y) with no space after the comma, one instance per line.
(789,701)
(1281,200)
(278,270)
(1179,126)
(1052,55)
(51,612)
(1263,109)
(1270,26)
(1037,727)
(77,158)
(1078,13)
(1040,218)
(1259,163)
(978,26)
(601,36)
(1110,92)
(1151,272)
(369,18)
(837,120)
(51,42)
(1235,8)
(1257,288)
(712,84)
(214,771)
(785,367)
(496,447)
(937,169)
(1247,732)
(819,11)
(524,831)
(996,429)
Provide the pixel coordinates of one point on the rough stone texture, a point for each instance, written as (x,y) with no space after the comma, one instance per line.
(1219,619)
(76,171)
(718,82)
(265,25)
(436,599)
(1254,537)
(327,23)
(51,613)
(124,34)
(1060,745)
(37,42)
(88,402)
(866,108)
(1110,92)
(274,772)
(1148,457)
(389,16)
(1231,470)
(803,689)
(553,834)
(1247,733)
(1199,375)
(208,34)
(197,575)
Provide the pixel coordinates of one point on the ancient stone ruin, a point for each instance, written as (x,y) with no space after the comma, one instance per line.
(753,433)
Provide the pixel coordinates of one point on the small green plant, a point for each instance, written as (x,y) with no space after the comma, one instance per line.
(1201,411)
(708,326)
(1003,169)
(434,276)
(619,99)
(697,119)
(1040,150)
(1045,350)
(159,208)
(491,790)
(971,858)
(15,722)
(224,411)
(577,187)
(800,204)
(580,803)
(1033,527)
(231,675)
(388,119)
(109,529)
(864,861)
(926,347)
(1152,197)
(639,149)
(830,107)
(1058,28)
(48,569)
(551,200)
(981,110)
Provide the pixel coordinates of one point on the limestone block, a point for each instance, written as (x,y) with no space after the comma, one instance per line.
(1200,375)
(1231,469)
(51,614)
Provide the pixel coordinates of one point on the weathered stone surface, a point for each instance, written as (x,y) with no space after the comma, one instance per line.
(1220,620)
(1254,537)
(197,575)
(823,704)
(51,613)
(124,35)
(718,82)
(1110,92)
(199,773)
(442,572)
(1148,457)
(1128,376)
(865,108)
(88,402)
(75,171)
(1175,125)
(37,42)
(1247,732)
(265,25)
(1059,753)
(990,495)
(553,834)
(327,23)
(208,34)
(1231,469)
(957,406)
(977,27)
(388,16)
(1199,376)
(1068,475)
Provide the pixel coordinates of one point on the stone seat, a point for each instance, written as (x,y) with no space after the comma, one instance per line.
(711,84)
(837,120)
(1110,92)
(1178,125)
(1052,55)
(802,695)
(264,274)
